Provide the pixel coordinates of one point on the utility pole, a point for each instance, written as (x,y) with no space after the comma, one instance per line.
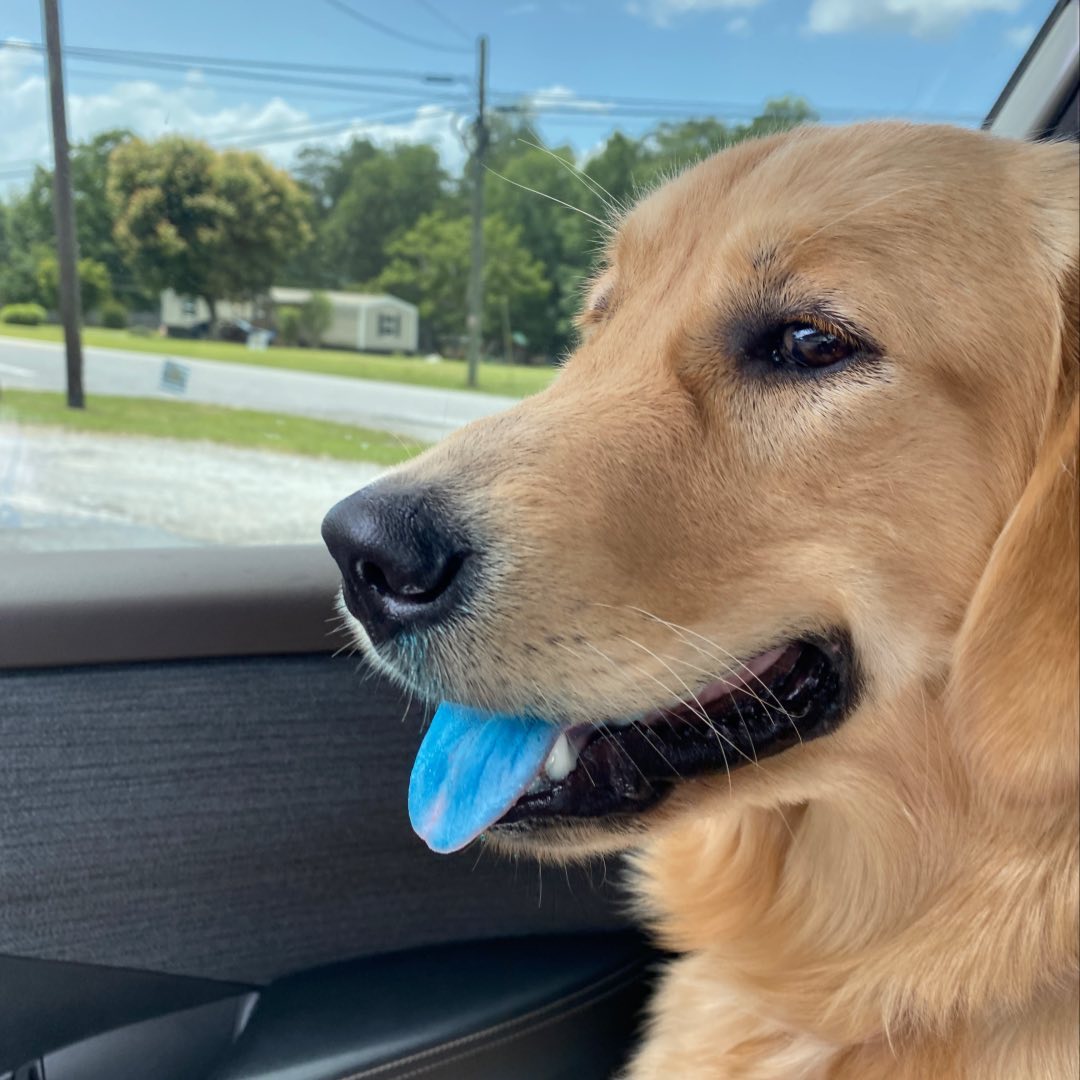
(475,317)
(64,210)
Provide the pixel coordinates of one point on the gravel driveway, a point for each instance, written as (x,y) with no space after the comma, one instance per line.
(71,490)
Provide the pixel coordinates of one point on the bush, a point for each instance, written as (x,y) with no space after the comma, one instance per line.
(315,318)
(95,287)
(289,320)
(23,314)
(114,315)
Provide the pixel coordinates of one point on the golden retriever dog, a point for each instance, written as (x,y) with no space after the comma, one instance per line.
(779,584)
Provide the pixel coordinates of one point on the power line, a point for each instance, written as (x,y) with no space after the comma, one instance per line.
(444,19)
(508,100)
(331,96)
(320,126)
(254,76)
(525,101)
(90,52)
(390,31)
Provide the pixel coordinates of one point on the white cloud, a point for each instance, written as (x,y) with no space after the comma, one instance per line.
(920,18)
(564,97)
(522,9)
(663,12)
(739,26)
(191,108)
(1020,37)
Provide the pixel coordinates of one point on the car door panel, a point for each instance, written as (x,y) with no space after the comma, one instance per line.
(195,789)
(236,819)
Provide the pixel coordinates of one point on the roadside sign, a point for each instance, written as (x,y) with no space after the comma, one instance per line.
(174,377)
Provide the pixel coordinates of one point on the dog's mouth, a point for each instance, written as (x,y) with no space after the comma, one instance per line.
(522,776)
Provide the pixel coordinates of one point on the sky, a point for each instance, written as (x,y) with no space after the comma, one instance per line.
(851,59)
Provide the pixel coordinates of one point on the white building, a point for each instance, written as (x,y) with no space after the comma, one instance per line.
(365,321)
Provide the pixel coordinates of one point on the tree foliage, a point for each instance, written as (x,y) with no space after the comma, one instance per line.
(209,224)
(175,213)
(93,214)
(95,287)
(288,320)
(429,265)
(316,315)
(384,194)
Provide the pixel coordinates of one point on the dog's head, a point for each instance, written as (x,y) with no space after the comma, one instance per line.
(821,406)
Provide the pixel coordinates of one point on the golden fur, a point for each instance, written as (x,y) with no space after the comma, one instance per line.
(898,899)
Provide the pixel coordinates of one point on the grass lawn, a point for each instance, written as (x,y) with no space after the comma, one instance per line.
(509,379)
(210,423)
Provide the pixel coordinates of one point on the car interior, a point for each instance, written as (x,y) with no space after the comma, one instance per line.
(206,865)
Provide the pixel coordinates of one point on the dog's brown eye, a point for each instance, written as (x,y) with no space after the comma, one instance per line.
(806,346)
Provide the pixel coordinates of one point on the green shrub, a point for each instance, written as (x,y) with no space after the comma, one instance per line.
(315,318)
(289,320)
(114,315)
(95,288)
(23,314)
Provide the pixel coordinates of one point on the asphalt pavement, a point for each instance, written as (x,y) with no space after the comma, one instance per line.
(417,412)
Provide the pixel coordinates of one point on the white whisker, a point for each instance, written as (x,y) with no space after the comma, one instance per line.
(569,206)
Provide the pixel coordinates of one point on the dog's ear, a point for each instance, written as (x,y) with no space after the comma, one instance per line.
(1014,690)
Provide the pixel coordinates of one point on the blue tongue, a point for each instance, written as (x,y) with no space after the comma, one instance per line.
(470,769)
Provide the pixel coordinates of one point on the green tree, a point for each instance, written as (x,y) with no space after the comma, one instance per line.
(93,212)
(316,315)
(674,146)
(509,135)
(288,320)
(563,240)
(429,265)
(620,168)
(325,174)
(385,195)
(781,114)
(18,257)
(215,225)
(94,284)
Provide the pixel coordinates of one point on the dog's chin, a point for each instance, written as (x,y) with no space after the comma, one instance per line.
(570,841)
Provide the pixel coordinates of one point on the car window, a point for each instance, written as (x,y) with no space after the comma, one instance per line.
(280,235)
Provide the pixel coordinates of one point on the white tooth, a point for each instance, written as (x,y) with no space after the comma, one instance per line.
(561,760)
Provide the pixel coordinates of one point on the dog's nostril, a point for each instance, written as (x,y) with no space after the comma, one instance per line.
(418,584)
(372,574)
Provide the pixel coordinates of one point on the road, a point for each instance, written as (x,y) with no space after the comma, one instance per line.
(417,412)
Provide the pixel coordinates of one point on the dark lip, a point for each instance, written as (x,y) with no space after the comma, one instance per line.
(623,771)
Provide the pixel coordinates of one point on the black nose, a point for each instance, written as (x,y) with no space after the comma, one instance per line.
(400,553)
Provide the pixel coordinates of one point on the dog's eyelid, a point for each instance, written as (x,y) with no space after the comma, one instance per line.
(831,323)
(822,316)
(786,337)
